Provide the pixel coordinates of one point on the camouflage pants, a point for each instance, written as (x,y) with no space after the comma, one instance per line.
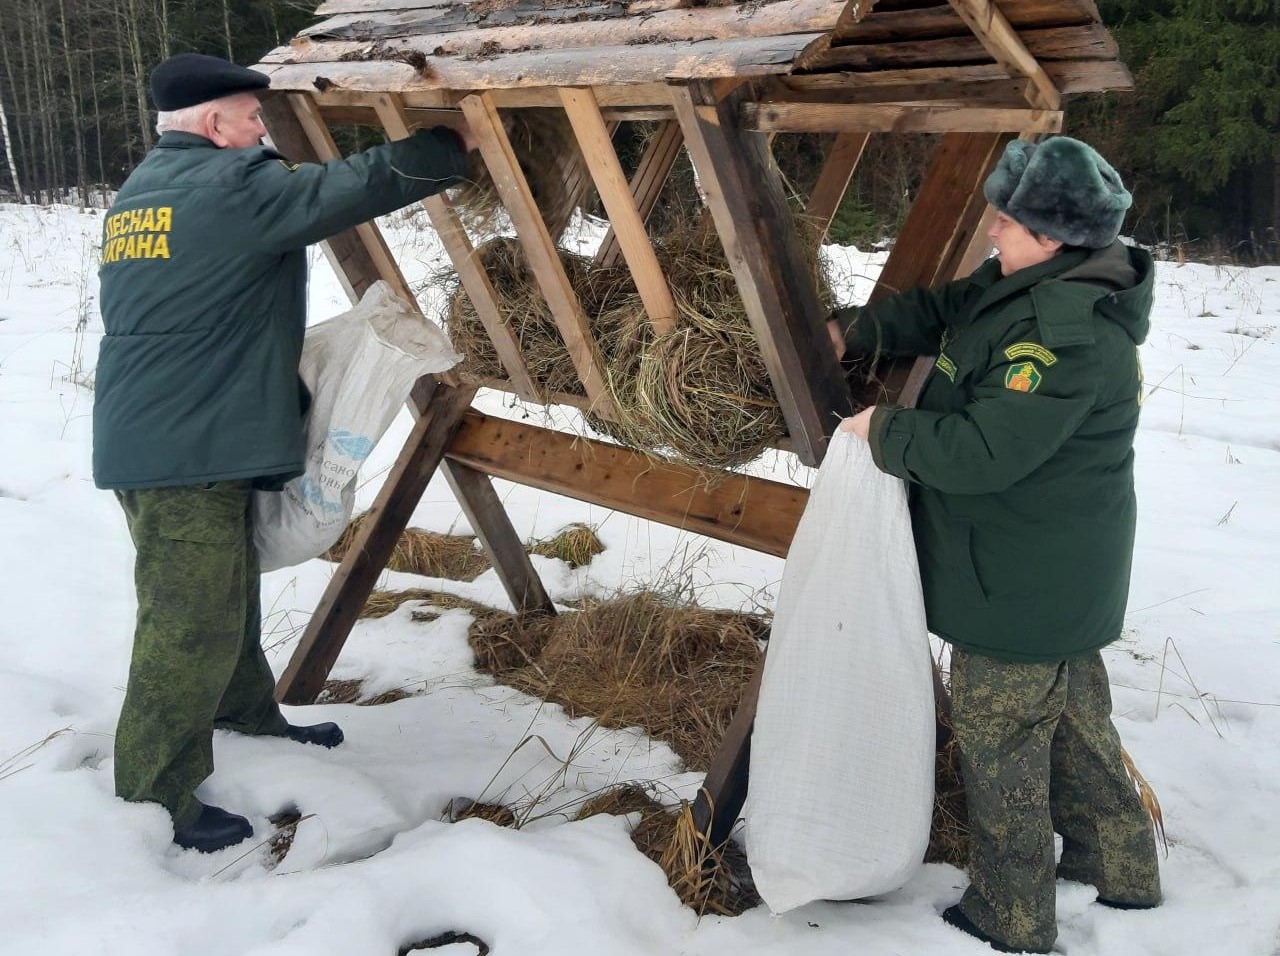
(197,657)
(1040,754)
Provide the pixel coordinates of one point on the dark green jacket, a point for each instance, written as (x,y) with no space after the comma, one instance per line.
(1019,455)
(203,294)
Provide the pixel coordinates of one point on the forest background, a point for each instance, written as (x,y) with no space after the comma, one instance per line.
(1198,140)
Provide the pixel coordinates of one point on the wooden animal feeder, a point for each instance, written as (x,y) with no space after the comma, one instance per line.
(719,78)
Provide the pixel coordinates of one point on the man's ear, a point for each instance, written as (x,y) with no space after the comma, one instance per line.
(210,124)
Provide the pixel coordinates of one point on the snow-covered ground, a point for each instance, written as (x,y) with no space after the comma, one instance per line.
(1196,681)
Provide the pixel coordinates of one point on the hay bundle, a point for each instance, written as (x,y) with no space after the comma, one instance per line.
(525,310)
(575,545)
(547,152)
(706,878)
(645,659)
(452,556)
(700,391)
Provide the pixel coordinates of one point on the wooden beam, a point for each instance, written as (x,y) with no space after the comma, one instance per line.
(475,281)
(837,171)
(893,118)
(1071,76)
(646,185)
(749,512)
(346,251)
(538,247)
(627,223)
(934,240)
(317,132)
(756,227)
(365,560)
(724,789)
(489,519)
(1006,47)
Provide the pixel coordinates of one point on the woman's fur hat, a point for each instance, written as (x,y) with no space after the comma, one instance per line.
(1060,188)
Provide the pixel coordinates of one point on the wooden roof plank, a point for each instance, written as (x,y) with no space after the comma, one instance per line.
(717,23)
(1070,76)
(1007,47)
(600,66)
(1089,42)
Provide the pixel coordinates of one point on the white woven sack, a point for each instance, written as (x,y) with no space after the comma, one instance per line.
(360,367)
(842,754)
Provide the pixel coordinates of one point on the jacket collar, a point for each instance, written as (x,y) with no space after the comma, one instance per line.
(1006,286)
(176,139)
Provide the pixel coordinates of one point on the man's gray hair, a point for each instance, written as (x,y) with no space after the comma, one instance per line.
(187,119)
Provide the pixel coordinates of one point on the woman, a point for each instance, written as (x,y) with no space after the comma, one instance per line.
(1019,461)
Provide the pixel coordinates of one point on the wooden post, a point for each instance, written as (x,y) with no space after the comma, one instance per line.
(475,281)
(646,185)
(837,171)
(934,240)
(353,582)
(489,519)
(756,227)
(627,223)
(538,247)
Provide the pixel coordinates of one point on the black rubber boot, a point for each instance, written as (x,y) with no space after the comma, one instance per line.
(954,916)
(215,829)
(327,734)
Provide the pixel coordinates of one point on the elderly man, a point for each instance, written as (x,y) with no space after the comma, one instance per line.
(203,294)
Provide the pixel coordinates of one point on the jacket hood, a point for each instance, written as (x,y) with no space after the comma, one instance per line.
(1127,274)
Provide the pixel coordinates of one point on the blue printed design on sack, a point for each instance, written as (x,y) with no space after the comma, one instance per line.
(353,446)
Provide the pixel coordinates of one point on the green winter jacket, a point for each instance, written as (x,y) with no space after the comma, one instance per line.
(1019,454)
(203,295)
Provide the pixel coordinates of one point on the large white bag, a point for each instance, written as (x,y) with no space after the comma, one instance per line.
(842,754)
(360,367)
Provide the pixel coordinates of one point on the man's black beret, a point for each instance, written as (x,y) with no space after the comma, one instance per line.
(191,78)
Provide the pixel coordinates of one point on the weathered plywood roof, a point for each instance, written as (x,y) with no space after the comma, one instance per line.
(458,45)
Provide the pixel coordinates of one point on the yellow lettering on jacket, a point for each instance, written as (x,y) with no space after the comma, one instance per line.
(137,234)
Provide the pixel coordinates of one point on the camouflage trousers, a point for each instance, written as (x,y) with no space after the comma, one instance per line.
(197,657)
(1039,754)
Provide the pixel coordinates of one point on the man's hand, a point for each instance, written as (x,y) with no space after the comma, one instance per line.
(859,424)
(837,338)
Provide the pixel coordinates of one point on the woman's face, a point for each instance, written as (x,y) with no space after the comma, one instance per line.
(1017,247)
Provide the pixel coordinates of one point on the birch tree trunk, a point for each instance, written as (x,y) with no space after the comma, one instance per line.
(8,152)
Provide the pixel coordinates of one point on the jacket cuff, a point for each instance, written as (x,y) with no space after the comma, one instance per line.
(860,338)
(451,142)
(888,440)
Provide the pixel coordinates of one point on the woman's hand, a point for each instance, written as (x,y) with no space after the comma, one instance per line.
(837,338)
(859,424)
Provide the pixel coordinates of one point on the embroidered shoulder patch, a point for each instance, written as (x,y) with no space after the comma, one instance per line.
(1024,377)
(292,167)
(1032,350)
(946,367)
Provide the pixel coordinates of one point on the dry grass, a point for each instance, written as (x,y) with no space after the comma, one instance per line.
(451,556)
(1147,794)
(352,692)
(707,879)
(545,148)
(700,391)
(575,545)
(640,660)
(949,830)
